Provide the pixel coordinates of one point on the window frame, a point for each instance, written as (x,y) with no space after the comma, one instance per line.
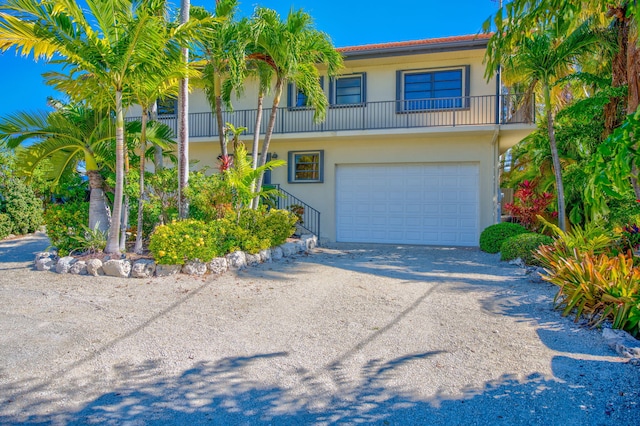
(333,87)
(292,97)
(401,104)
(291,168)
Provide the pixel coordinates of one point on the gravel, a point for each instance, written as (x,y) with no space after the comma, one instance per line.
(348,334)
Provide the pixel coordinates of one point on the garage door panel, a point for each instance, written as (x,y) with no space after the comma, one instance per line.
(414,204)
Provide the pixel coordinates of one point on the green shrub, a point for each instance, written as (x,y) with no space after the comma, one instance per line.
(18,201)
(66,224)
(210,197)
(182,241)
(523,246)
(5,225)
(493,236)
(280,225)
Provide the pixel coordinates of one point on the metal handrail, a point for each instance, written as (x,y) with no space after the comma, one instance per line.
(310,216)
(396,114)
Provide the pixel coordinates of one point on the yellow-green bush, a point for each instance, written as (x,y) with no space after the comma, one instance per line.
(66,225)
(523,246)
(180,241)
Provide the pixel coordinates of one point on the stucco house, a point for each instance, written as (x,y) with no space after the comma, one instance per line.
(408,153)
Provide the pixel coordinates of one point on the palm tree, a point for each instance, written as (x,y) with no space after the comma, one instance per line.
(293,49)
(541,60)
(71,135)
(183,123)
(222,51)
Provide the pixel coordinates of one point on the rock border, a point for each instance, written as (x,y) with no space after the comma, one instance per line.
(147,268)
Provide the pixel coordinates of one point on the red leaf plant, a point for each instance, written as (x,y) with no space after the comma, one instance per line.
(528,204)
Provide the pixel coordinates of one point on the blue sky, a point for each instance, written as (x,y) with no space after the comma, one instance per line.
(348,22)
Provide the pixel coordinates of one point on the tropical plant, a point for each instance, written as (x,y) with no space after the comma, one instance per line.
(20,205)
(65,223)
(294,50)
(100,47)
(543,58)
(180,241)
(593,238)
(493,236)
(528,204)
(90,240)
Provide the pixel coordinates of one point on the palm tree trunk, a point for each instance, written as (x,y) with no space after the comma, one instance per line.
(557,169)
(267,135)
(125,207)
(158,163)
(633,74)
(98,210)
(218,100)
(183,125)
(113,243)
(143,148)
(256,145)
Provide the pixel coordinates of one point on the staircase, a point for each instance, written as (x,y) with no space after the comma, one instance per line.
(310,216)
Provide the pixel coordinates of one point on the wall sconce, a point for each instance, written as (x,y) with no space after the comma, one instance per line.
(274,155)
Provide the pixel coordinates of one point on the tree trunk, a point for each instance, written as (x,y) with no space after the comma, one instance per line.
(183,125)
(633,99)
(98,209)
(158,161)
(143,147)
(218,100)
(113,243)
(256,145)
(557,168)
(618,75)
(125,207)
(268,134)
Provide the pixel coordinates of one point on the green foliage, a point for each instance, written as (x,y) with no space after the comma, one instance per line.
(523,246)
(18,201)
(181,241)
(280,225)
(90,240)
(5,225)
(66,224)
(594,238)
(623,211)
(493,236)
(210,197)
(260,229)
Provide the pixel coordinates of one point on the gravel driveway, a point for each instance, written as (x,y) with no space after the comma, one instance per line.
(350,334)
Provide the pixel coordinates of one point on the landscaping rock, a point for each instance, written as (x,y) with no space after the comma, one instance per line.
(117,268)
(143,268)
(94,267)
(46,260)
(289,249)
(253,259)
(218,265)
(64,264)
(237,260)
(194,267)
(622,342)
(535,274)
(265,255)
(79,268)
(276,253)
(166,270)
(517,262)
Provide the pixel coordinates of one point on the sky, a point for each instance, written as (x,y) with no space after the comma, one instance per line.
(348,23)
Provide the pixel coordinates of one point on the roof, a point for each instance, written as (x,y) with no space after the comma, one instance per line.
(463,42)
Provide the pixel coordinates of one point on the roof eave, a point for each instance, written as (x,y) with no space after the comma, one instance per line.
(381,52)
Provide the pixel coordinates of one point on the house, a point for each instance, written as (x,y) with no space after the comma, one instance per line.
(408,153)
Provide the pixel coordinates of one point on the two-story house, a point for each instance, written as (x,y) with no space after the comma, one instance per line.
(408,153)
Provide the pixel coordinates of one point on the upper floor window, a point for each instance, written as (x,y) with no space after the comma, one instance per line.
(168,106)
(296,98)
(433,89)
(348,90)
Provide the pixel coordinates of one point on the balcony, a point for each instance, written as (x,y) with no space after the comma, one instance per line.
(444,112)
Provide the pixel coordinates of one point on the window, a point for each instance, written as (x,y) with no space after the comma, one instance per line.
(168,106)
(306,166)
(433,89)
(296,98)
(348,90)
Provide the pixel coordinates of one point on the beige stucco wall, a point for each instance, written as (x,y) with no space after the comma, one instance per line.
(437,147)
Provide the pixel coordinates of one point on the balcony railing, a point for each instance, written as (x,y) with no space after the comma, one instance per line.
(405,114)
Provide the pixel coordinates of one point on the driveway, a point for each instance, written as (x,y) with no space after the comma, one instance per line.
(349,334)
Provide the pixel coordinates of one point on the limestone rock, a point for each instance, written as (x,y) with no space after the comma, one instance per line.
(64,264)
(252,259)
(310,241)
(265,255)
(166,270)
(46,260)
(237,260)
(94,267)
(276,253)
(289,249)
(218,265)
(518,262)
(143,268)
(622,342)
(194,267)
(117,268)
(79,268)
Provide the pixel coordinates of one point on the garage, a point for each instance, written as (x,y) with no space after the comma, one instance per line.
(417,203)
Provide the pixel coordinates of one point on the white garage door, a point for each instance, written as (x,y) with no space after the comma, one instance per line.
(430,204)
